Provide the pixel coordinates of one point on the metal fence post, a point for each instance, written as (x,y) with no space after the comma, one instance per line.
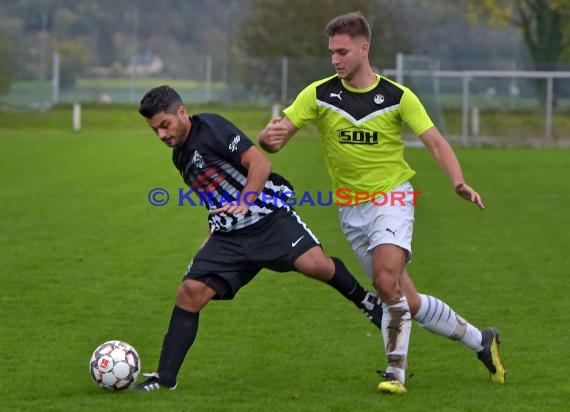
(55,79)
(284,75)
(549,104)
(465,110)
(208,78)
(400,68)
(76,117)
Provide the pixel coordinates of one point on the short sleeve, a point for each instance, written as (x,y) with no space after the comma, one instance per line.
(304,109)
(414,113)
(228,140)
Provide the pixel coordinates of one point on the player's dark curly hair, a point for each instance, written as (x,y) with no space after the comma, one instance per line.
(160,99)
(354,24)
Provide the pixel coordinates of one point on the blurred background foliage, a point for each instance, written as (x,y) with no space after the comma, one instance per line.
(103,36)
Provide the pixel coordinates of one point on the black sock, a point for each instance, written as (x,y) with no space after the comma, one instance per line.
(346,284)
(179,338)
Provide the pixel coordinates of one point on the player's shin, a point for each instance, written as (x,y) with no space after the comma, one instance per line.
(396,329)
(179,338)
(436,316)
(347,285)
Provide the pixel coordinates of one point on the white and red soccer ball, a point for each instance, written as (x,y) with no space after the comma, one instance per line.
(115,365)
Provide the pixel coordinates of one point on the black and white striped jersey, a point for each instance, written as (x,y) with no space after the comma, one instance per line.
(210,164)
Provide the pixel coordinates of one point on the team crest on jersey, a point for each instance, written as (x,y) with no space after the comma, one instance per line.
(378,99)
(198,160)
(234,143)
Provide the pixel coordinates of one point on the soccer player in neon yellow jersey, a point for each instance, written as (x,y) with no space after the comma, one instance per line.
(359,116)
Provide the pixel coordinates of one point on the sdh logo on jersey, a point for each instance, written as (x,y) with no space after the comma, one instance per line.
(354,135)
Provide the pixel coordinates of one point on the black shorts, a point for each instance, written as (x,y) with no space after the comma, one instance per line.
(230,260)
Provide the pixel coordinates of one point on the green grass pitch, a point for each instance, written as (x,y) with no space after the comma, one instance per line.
(85,258)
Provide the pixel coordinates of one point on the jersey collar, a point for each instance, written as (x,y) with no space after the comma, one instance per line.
(367,89)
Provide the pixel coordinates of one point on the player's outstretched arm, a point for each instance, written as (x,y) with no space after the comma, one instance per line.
(445,157)
(276,134)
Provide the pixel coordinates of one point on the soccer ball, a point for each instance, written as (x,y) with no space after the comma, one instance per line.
(114,365)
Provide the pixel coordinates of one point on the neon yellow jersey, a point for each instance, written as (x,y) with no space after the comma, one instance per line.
(360,131)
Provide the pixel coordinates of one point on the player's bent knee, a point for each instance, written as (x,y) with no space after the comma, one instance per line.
(321,275)
(316,270)
(315,264)
(193,295)
(317,267)
(389,287)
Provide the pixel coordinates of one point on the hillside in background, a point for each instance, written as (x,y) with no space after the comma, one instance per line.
(105,37)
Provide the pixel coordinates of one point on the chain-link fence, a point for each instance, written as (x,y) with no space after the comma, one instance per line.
(244,81)
(507,107)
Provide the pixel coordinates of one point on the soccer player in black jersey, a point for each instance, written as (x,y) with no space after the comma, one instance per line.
(248,211)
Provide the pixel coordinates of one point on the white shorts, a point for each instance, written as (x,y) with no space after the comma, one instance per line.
(386,220)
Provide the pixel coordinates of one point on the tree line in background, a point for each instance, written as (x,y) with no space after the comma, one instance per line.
(544,26)
(103,36)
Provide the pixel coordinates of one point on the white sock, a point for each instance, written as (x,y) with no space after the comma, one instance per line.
(436,316)
(472,338)
(396,328)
